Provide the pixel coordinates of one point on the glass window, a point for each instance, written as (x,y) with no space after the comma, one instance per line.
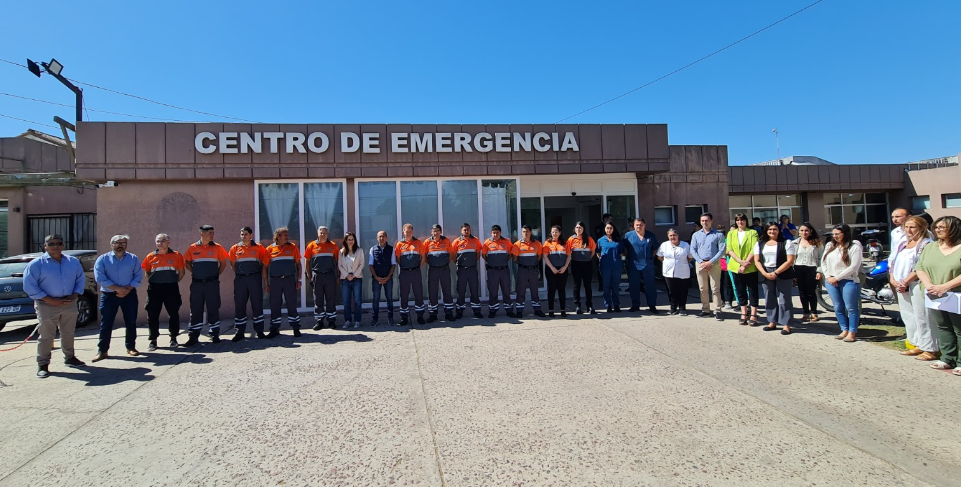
(876,214)
(766,215)
(418,206)
(740,201)
(832,198)
(853,214)
(789,200)
(692,214)
(664,215)
(832,215)
(765,200)
(460,206)
(499,200)
(877,198)
(279,207)
(377,210)
(951,200)
(622,209)
(324,206)
(921,203)
(852,198)
(531,216)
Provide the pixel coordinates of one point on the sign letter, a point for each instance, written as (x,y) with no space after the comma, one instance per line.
(199,143)
(349,142)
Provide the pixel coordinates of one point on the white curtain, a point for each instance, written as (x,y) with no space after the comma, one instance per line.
(279,201)
(324,203)
(495,209)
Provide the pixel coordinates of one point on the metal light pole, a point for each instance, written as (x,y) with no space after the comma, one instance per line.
(54,68)
(777,142)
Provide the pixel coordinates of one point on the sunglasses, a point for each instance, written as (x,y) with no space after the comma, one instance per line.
(55,244)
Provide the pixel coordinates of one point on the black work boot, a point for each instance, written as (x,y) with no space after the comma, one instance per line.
(460,314)
(215,337)
(192,340)
(404,320)
(238,337)
(450,316)
(430,319)
(420,318)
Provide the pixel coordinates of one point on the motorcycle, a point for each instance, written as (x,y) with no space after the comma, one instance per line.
(874,249)
(875,288)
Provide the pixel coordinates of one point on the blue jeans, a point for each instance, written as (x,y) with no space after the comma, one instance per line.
(350,292)
(109,305)
(846,297)
(634,277)
(388,288)
(611,280)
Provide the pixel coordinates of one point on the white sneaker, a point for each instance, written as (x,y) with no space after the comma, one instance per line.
(356,324)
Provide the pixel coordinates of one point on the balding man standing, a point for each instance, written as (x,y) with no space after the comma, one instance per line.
(898,217)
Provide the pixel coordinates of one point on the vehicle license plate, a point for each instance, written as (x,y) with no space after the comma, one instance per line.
(9,309)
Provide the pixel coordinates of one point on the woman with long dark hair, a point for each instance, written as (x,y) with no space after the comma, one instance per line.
(807,268)
(351,267)
(610,250)
(581,247)
(557,259)
(740,244)
(841,265)
(939,269)
(775,256)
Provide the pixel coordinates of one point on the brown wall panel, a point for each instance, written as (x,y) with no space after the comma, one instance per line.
(294,158)
(493,155)
(179,143)
(383,143)
(214,158)
(339,155)
(612,142)
(121,143)
(635,141)
(473,156)
(550,155)
(523,155)
(590,141)
(657,147)
(326,157)
(239,158)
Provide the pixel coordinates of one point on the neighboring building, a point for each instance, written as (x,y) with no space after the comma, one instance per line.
(862,196)
(39,195)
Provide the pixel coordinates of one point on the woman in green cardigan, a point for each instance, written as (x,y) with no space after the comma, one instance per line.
(741,268)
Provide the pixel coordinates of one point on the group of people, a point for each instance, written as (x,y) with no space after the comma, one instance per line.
(774,259)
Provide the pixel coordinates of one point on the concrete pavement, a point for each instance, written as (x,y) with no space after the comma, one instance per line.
(622,400)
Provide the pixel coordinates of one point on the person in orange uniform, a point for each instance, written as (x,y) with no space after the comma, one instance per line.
(164,268)
(557,259)
(282,281)
(247,260)
(206,260)
(465,251)
(411,254)
(582,248)
(527,255)
(321,256)
(438,274)
(497,253)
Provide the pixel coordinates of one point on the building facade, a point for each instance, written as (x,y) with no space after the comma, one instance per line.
(174,177)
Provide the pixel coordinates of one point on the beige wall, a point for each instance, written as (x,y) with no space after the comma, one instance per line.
(142,209)
(934,183)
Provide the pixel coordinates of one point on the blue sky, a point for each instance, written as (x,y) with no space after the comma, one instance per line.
(848,81)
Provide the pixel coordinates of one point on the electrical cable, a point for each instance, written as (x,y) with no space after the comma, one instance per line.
(28,121)
(143,98)
(94,109)
(678,70)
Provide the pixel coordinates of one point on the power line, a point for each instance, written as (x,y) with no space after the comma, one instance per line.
(29,121)
(678,70)
(143,98)
(93,109)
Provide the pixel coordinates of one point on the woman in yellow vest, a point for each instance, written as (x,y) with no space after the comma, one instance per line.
(741,268)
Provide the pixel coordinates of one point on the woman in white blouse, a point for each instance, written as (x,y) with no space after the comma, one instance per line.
(350,266)
(807,266)
(675,255)
(841,266)
(774,257)
(904,281)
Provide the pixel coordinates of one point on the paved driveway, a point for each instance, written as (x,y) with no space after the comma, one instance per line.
(619,401)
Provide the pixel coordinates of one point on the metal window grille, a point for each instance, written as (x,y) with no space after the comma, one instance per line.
(79,230)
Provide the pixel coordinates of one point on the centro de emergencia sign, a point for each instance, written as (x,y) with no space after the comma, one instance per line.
(370,143)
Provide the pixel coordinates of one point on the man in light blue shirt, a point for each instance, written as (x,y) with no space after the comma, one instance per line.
(641,245)
(54,281)
(118,273)
(708,247)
